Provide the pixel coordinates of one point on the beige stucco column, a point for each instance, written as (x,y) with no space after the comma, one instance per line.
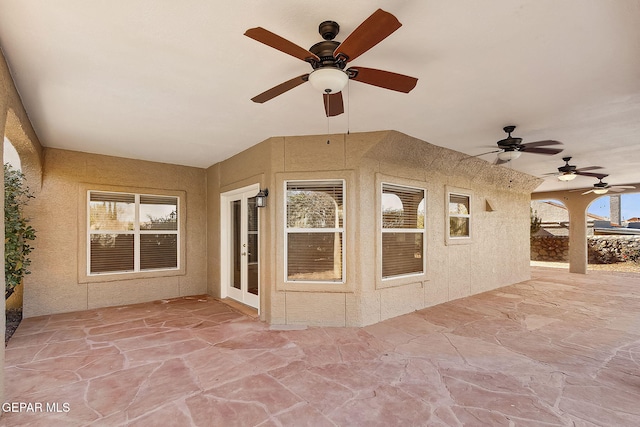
(578,258)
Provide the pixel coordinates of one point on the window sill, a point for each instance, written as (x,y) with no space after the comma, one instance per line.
(118,277)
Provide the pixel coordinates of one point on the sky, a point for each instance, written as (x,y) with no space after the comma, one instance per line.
(629,206)
(11,155)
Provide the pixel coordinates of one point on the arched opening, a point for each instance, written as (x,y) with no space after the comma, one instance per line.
(10,155)
(549,233)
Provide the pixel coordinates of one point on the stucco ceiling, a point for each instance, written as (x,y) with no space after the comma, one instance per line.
(172,81)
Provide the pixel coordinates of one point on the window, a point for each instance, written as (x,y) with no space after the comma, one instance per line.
(314,231)
(459,216)
(132,233)
(403,230)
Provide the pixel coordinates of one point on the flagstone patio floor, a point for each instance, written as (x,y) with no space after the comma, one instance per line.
(558,350)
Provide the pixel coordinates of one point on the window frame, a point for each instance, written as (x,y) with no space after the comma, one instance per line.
(137,233)
(293,230)
(384,231)
(83,237)
(458,240)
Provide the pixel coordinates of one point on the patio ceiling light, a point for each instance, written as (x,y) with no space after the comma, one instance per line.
(601,191)
(567,176)
(509,155)
(328,80)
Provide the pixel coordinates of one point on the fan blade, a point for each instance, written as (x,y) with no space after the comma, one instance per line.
(384,79)
(372,31)
(588,168)
(488,152)
(595,175)
(616,189)
(280,89)
(587,192)
(542,143)
(624,187)
(547,151)
(333,104)
(281,44)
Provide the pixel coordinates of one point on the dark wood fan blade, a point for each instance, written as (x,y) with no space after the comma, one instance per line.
(384,79)
(280,43)
(542,143)
(333,104)
(280,89)
(541,150)
(488,152)
(595,175)
(372,31)
(588,168)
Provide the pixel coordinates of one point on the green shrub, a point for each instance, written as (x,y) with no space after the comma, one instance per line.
(17,231)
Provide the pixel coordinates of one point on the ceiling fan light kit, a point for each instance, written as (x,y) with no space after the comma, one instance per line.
(507,156)
(567,176)
(328,79)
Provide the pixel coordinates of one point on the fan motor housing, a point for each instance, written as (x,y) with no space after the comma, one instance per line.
(324,50)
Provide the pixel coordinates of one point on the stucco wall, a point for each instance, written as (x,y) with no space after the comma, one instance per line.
(59,216)
(15,125)
(497,255)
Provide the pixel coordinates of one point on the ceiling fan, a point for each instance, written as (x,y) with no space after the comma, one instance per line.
(603,188)
(329,58)
(569,172)
(511,147)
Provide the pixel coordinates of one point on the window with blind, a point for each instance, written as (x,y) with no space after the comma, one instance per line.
(314,231)
(459,216)
(403,230)
(132,233)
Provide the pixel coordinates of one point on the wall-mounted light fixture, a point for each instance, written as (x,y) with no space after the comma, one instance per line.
(261,198)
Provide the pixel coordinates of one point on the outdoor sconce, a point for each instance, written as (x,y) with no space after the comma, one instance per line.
(261,198)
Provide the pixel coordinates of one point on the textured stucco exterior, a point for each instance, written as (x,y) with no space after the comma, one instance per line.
(15,125)
(58,282)
(496,255)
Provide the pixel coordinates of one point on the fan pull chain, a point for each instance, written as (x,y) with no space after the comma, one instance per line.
(328,115)
(348,106)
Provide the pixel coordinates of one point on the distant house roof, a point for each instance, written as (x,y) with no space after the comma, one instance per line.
(634,219)
(551,211)
(555,218)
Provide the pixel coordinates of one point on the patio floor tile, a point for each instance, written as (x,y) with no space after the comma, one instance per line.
(558,350)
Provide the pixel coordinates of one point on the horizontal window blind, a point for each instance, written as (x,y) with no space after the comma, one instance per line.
(402,253)
(314,204)
(403,230)
(314,228)
(158,251)
(111,253)
(132,232)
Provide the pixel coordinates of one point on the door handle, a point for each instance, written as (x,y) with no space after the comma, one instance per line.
(243,254)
